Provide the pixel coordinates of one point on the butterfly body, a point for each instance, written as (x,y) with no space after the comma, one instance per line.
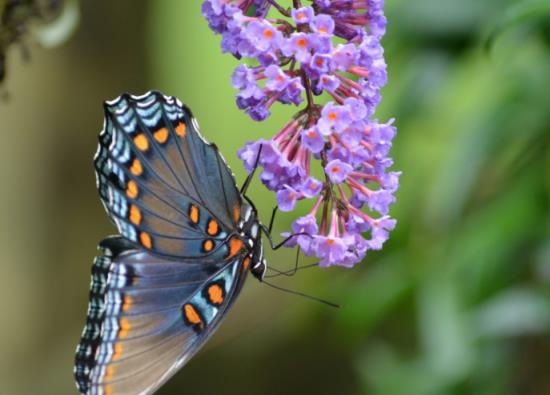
(188,239)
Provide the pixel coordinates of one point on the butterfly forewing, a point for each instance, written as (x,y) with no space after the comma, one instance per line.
(166,189)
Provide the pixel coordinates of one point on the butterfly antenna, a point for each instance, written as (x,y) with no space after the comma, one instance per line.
(289,273)
(290,291)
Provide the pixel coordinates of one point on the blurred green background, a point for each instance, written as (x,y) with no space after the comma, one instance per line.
(457,303)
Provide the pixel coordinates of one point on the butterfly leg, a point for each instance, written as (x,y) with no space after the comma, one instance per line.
(274,246)
(288,273)
(270,228)
(251,174)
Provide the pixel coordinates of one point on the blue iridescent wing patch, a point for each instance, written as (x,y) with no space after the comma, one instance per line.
(147,316)
(164,187)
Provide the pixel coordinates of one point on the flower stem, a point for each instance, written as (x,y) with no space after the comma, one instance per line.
(279,8)
(309,94)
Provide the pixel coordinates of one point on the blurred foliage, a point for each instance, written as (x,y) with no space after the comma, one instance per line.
(521,12)
(457,303)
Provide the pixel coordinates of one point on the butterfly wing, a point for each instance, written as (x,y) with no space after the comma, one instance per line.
(165,188)
(147,316)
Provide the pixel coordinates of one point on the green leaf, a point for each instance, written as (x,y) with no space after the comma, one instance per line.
(515,15)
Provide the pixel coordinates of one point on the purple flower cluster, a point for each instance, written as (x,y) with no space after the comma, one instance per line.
(330,47)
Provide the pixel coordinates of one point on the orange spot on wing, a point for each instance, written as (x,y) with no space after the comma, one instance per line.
(191,314)
(246,263)
(127,303)
(208,245)
(109,372)
(161,135)
(125,327)
(215,294)
(213,227)
(141,142)
(118,351)
(235,246)
(107,390)
(136,168)
(145,240)
(194,214)
(132,189)
(236,212)
(180,129)
(135,215)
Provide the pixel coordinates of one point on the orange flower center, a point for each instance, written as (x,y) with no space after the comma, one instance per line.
(268,34)
(335,169)
(311,134)
(332,116)
(330,242)
(301,42)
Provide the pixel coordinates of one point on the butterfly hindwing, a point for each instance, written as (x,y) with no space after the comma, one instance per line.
(147,316)
(166,189)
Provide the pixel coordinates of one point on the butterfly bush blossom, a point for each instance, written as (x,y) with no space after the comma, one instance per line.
(314,48)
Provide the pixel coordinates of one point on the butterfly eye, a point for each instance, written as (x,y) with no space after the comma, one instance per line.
(258,270)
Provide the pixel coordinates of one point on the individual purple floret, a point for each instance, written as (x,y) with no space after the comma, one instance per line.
(310,48)
(337,171)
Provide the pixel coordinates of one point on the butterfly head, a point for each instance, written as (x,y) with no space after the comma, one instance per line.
(259,265)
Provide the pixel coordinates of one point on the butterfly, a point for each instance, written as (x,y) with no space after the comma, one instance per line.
(188,238)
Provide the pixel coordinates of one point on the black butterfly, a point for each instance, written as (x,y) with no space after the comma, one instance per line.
(187,240)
